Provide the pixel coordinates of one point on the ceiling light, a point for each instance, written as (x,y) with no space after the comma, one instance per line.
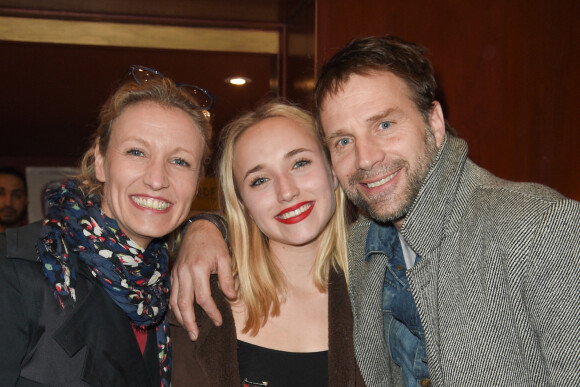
(238,81)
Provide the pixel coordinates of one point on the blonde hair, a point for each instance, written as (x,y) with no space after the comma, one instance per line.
(260,282)
(163,92)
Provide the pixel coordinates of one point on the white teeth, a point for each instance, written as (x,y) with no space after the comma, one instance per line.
(382,181)
(296,212)
(154,204)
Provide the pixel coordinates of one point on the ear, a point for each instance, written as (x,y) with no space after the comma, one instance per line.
(437,123)
(99,164)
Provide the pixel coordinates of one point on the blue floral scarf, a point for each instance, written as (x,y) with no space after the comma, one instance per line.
(136,280)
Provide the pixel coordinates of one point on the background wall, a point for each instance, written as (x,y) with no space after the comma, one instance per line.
(508,71)
(64,57)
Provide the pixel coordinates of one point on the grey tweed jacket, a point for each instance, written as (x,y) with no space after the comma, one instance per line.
(497,287)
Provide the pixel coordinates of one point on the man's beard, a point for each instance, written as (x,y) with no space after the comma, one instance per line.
(410,191)
(9,217)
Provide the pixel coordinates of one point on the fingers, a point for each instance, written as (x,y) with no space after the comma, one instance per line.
(226,278)
(182,298)
(203,251)
(204,298)
(173,296)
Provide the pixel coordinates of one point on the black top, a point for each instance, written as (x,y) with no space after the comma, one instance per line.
(261,366)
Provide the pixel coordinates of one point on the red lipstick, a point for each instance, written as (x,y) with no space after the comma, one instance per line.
(298,218)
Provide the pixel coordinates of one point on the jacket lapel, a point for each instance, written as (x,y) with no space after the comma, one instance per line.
(423,280)
(19,243)
(371,349)
(427,229)
(113,354)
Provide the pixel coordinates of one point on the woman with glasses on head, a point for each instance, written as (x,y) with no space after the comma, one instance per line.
(84,294)
(291,324)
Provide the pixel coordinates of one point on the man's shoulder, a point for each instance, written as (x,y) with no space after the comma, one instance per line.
(486,178)
(509,195)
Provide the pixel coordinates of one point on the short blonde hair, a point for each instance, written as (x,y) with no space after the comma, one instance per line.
(260,283)
(163,92)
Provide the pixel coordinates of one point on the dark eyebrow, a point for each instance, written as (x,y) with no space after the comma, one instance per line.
(383,114)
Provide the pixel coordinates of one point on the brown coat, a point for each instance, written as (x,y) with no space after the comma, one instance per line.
(212,359)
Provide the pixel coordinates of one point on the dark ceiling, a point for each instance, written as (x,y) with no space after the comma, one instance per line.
(215,12)
(51,93)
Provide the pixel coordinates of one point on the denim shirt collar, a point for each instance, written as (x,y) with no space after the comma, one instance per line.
(381,239)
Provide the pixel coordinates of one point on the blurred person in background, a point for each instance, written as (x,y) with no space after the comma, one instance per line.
(13,198)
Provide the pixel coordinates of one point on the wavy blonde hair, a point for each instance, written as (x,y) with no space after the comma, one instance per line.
(163,92)
(260,283)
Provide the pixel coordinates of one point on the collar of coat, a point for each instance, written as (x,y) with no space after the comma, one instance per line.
(94,323)
(425,224)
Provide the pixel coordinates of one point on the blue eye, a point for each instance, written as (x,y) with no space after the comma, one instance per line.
(344,141)
(258,181)
(181,162)
(385,124)
(135,152)
(301,163)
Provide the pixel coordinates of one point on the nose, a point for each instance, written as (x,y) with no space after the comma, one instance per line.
(157,175)
(286,187)
(368,153)
(6,199)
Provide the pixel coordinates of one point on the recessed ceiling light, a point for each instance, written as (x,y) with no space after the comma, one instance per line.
(238,81)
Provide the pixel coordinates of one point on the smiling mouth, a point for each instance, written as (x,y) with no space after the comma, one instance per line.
(154,204)
(296,212)
(384,180)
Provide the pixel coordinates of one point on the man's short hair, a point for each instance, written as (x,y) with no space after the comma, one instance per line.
(7,170)
(362,56)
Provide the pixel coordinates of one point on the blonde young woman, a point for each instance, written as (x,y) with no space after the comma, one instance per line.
(291,324)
